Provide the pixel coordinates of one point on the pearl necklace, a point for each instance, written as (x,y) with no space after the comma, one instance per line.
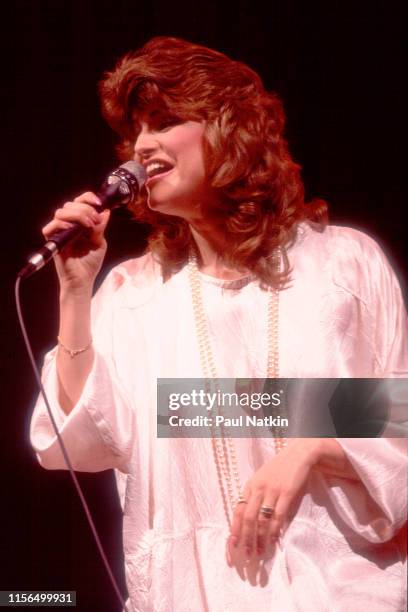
(223,446)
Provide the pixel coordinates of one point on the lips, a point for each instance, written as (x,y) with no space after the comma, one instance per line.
(156,167)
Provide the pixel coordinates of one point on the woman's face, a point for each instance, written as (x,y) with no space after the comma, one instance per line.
(172,153)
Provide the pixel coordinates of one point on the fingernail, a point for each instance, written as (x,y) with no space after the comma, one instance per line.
(97,201)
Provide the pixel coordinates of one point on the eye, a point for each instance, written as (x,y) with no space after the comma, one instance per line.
(166,122)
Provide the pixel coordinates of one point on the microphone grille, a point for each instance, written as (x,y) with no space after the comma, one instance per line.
(137,170)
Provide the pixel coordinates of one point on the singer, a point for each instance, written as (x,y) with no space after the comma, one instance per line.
(241,278)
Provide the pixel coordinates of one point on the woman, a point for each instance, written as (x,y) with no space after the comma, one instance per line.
(241,278)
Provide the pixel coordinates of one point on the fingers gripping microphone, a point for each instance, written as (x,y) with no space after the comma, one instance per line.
(120,187)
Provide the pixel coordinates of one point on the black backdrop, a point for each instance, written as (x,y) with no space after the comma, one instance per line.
(338,66)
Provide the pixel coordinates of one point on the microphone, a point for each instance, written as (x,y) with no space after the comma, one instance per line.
(120,187)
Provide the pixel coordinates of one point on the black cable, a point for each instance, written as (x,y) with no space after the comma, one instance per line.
(64,450)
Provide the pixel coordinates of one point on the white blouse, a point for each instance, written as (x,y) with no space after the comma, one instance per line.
(341,316)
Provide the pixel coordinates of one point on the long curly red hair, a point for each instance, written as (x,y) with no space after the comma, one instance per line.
(246,154)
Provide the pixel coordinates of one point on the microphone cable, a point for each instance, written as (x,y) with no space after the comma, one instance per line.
(64,450)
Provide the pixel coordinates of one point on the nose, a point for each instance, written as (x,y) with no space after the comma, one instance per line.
(146,143)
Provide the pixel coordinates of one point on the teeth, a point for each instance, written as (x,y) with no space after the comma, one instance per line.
(156,168)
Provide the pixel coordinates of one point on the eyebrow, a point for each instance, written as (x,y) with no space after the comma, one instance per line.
(138,118)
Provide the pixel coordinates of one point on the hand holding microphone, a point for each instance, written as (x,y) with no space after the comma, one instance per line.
(78,227)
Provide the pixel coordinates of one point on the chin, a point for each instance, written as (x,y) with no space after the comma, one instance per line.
(166,205)
(165,208)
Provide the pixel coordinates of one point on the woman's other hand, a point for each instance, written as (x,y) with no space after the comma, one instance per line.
(279,484)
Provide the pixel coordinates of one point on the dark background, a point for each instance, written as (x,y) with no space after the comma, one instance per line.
(338,66)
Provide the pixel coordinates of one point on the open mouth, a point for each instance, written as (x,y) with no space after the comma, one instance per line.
(157,168)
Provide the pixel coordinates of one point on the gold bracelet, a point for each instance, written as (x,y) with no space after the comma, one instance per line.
(73,352)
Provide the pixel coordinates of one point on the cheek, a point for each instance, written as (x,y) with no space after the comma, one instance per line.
(191,150)
(194,161)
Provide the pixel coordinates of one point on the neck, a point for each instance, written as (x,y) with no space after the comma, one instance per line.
(211,245)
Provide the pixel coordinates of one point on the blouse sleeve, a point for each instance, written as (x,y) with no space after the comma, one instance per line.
(388,310)
(383,470)
(381,463)
(362,269)
(99,431)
